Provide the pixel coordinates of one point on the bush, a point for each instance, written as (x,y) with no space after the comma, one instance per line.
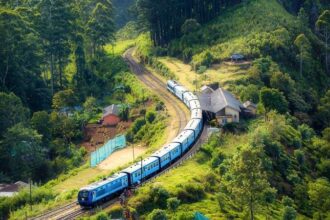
(289,213)
(116,211)
(287,201)
(173,204)
(23,198)
(160,106)
(150,116)
(191,192)
(185,216)
(159,196)
(157,214)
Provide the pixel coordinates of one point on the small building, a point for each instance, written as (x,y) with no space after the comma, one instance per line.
(237,57)
(110,116)
(250,108)
(220,104)
(9,190)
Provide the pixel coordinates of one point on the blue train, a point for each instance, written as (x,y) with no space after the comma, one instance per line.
(135,174)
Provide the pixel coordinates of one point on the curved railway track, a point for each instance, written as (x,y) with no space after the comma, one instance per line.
(158,86)
(73,210)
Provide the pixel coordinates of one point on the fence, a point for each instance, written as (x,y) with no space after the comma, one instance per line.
(104,152)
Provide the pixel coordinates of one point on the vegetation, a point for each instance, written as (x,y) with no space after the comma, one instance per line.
(61,62)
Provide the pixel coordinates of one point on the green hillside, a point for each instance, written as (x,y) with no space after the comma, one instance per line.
(287,159)
(61,64)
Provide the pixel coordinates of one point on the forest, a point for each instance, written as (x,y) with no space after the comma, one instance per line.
(58,66)
(52,61)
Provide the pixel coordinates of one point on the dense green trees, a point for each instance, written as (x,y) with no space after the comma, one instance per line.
(246,179)
(319,193)
(100,27)
(47,57)
(164,19)
(323,28)
(272,99)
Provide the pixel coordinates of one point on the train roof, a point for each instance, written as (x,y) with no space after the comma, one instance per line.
(165,150)
(193,124)
(196,113)
(190,96)
(137,165)
(181,88)
(104,182)
(172,83)
(195,104)
(182,136)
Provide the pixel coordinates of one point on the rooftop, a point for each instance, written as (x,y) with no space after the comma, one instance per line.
(218,100)
(110,110)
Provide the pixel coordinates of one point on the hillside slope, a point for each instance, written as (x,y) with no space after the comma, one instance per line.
(282,150)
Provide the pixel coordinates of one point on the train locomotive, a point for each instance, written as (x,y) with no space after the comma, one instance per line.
(131,176)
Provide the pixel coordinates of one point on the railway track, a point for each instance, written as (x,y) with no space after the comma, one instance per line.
(73,210)
(157,86)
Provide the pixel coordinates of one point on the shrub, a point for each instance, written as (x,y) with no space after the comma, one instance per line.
(289,213)
(116,211)
(173,204)
(287,201)
(191,192)
(300,157)
(185,216)
(150,116)
(137,125)
(159,196)
(160,106)
(157,214)
(201,69)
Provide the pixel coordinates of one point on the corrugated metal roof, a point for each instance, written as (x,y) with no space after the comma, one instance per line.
(111,109)
(218,100)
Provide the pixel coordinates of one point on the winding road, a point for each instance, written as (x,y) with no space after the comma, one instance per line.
(177,111)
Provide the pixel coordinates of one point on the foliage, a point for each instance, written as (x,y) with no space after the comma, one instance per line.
(324,110)
(289,213)
(100,27)
(191,193)
(173,204)
(319,193)
(272,99)
(157,16)
(65,98)
(12,111)
(157,214)
(246,179)
(150,116)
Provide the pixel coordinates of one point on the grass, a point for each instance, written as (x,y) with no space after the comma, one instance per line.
(224,73)
(119,47)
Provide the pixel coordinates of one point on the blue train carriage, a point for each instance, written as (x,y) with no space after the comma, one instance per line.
(99,191)
(149,166)
(196,113)
(185,138)
(171,84)
(195,125)
(167,154)
(189,96)
(194,104)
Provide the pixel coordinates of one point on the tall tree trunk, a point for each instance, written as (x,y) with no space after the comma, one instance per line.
(326,49)
(60,70)
(251,209)
(301,62)
(6,73)
(52,72)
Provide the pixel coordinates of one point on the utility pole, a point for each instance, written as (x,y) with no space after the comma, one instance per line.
(141,169)
(133,152)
